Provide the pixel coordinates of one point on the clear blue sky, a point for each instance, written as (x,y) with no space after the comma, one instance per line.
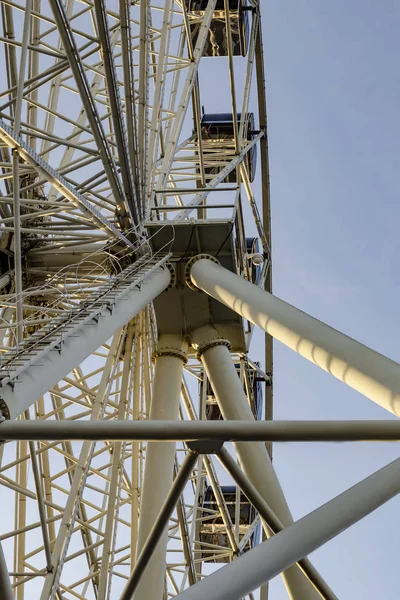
(333,88)
(333,98)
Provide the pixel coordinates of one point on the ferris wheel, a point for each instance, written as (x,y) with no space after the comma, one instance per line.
(135,256)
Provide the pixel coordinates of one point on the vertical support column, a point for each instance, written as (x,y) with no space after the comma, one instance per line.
(17,248)
(215,356)
(137,386)
(5,583)
(20,515)
(169,360)
(117,464)
(46,474)
(15,165)
(143,94)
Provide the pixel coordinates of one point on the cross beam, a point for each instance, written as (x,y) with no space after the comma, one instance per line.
(227,431)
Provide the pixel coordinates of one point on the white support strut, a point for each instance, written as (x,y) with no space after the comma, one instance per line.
(5,583)
(247,573)
(254,458)
(182,431)
(55,364)
(159,463)
(360,367)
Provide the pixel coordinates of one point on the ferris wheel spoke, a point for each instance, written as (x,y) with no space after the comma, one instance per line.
(186,94)
(13,140)
(116,110)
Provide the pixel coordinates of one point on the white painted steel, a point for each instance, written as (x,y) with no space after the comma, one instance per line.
(16,173)
(159,464)
(117,458)
(55,365)
(158,92)
(73,503)
(172,142)
(360,367)
(14,141)
(5,583)
(270,558)
(215,181)
(59,233)
(227,431)
(19,312)
(269,517)
(254,458)
(159,529)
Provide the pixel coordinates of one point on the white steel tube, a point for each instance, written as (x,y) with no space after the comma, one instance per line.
(159,463)
(36,381)
(227,431)
(191,74)
(160,525)
(254,457)
(73,503)
(269,517)
(360,367)
(19,313)
(117,458)
(251,570)
(5,583)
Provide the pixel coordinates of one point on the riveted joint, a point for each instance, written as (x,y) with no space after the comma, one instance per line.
(169,352)
(211,344)
(190,264)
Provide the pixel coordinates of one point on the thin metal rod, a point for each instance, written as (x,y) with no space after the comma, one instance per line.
(22,66)
(117,458)
(74,501)
(231,75)
(178,431)
(271,520)
(40,500)
(5,583)
(161,523)
(270,558)
(16,174)
(17,247)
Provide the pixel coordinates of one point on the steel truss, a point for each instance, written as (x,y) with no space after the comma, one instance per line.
(122,238)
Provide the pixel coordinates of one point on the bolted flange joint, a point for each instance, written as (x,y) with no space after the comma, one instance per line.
(4,411)
(169,352)
(190,264)
(172,282)
(211,344)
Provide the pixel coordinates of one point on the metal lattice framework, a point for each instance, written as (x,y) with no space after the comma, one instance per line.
(129,295)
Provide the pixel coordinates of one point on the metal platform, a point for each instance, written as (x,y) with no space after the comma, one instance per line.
(186,309)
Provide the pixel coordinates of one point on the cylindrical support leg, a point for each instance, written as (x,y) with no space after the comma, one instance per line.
(248,572)
(5,583)
(363,369)
(160,525)
(253,457)
(159,463)
(270,518)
